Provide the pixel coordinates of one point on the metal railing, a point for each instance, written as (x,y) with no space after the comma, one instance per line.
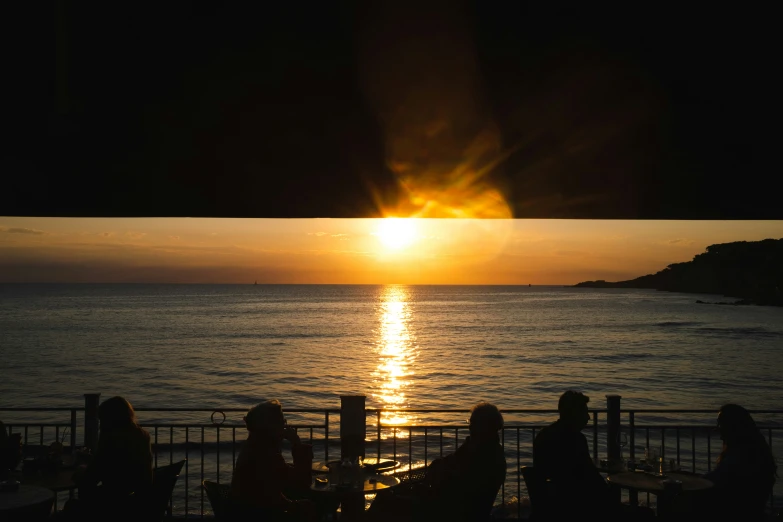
(211,448)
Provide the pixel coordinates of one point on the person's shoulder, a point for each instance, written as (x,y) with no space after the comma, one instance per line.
(548,432)
(139,435)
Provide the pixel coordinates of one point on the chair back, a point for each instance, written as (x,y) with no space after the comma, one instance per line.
(219,496)
(540,502)
(163,480)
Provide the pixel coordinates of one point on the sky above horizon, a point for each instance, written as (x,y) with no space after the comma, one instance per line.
(354,251)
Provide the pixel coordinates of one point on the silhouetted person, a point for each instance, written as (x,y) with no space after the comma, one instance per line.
(461,486)
(122,464)
(464,485)
(561,454)
(746,469)
(262,477)
(10,450)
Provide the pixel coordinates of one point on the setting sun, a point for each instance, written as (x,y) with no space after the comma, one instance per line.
(396,233)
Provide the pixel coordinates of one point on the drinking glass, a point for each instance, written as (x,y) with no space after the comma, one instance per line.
(651,457)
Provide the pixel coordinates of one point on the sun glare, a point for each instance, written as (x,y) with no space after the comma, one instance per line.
(396,233)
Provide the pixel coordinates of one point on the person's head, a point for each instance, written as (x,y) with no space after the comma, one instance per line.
(573,409)
(116,414)
(738,429)
(266,420)
(736,426)
(485,421)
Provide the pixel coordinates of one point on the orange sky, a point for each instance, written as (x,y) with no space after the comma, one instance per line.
(353,251)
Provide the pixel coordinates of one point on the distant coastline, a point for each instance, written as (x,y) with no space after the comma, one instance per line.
(751,271)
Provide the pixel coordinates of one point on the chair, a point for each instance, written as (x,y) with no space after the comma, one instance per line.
(541,507)
(153,505)
(218,496)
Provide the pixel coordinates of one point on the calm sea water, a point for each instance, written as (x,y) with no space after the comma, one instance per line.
(405,347)
(402,346)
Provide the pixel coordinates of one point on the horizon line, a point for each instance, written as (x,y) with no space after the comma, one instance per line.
(272,284)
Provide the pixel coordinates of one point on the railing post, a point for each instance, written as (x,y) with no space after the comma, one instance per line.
(613,453)
(73,431)
(353,430)
(353,425)
(613,450)
(91,420)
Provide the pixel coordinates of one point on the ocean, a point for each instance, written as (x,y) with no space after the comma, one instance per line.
(404,347)
(410,347)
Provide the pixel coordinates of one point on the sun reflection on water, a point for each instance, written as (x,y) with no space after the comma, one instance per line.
(396,348)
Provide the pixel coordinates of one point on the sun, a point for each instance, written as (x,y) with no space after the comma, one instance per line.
(396,233)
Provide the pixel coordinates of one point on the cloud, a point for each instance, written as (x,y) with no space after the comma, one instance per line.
(175,238)
(106,234)
(135,235)
(680,242)
(339,235)
(319,234)
(18,230)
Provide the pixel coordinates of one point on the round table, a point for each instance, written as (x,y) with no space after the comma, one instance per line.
(56,481)
(649,483)
(26,503)
(645,482)
(352,498)
(378,466)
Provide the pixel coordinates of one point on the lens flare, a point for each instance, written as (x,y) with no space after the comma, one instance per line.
(396,233)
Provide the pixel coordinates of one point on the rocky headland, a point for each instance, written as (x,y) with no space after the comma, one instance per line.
(751,271)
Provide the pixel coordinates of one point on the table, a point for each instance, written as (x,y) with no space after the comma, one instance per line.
(378,466)
(352,498)
(645,482)
(27,503)
(61,480)
(55,481)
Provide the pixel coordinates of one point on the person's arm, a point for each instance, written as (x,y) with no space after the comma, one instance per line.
(147,456)
(721,475)
(300,475)
(3,436)
(487,489)
(93,473)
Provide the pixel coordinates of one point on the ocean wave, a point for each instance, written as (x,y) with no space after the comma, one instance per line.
(740,330)
(678,323)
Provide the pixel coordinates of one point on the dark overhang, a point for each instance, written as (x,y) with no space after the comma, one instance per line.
(482,109)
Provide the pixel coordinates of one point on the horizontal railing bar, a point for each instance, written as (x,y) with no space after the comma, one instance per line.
(37,424)
(370,410)
(40,409)
(714,411)
(690,426)
(213,426)
(239,410)
(390,410)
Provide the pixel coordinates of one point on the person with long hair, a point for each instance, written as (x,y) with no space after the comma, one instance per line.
(746,470)
(122,465)
(461,486)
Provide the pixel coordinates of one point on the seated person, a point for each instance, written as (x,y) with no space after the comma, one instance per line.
(464,485)
(262,479)
(561,454)
(10,450)
(122,465)
(746,470)
(461,486)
